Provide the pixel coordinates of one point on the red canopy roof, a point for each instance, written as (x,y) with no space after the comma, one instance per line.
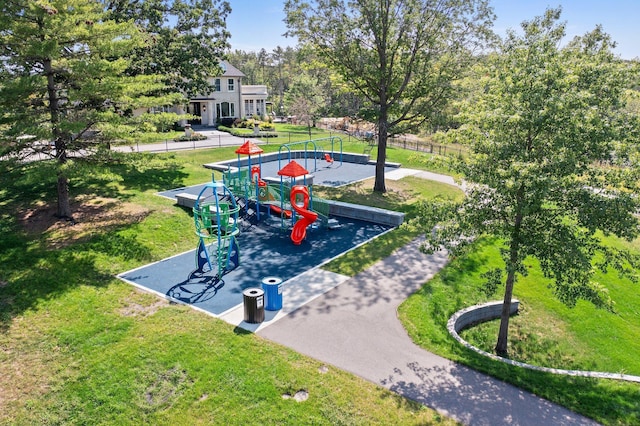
(249,148)
(293,169)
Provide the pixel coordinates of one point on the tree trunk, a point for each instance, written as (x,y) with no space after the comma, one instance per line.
(514,255)
(379,185)
(501,345)
(64,207)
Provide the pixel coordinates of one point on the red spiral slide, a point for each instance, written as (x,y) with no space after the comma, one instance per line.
(299,231)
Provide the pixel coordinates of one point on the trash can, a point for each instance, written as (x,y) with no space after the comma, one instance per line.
(272,287)
(253,299)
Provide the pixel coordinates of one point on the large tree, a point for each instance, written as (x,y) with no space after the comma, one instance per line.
(304,100)
(401,55)
(187,39)
(553,163)
(63,80)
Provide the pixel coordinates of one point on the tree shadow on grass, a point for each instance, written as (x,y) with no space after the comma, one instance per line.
(145,172)
(132,172)
(470,263)
(32,274)
(32,269)
(25,184)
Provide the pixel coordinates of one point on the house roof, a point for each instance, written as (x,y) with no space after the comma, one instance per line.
(249,148)
(229,70)
(293,169)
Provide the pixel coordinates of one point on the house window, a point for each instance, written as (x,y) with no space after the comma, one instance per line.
(226,109)
(248,107)
(158,110)
(231,85)
(260,107)
(217,85)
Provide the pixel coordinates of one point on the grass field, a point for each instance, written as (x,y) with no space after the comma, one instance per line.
(544,333)
(80,347)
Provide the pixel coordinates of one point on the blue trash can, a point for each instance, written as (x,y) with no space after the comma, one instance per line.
(272,287)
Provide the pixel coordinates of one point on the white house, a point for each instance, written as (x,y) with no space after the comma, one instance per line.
(230,99)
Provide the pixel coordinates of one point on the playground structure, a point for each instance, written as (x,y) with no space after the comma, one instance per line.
(216,221)
(299,230)
(244,193)
(225,218)
(318,152)
(272,195)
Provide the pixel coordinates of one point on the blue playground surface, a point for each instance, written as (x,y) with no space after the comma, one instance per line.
(265,249)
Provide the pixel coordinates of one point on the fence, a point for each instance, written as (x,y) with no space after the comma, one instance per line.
(429,147)
(369,140)
(412,144)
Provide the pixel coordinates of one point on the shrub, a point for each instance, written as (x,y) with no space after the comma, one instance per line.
(242,132)
(226,122)
(194,137)
(247,123)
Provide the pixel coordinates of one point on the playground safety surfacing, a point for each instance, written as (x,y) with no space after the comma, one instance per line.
(265,251)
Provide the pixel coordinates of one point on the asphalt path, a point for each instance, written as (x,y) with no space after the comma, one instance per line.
(355,327)
(215,139)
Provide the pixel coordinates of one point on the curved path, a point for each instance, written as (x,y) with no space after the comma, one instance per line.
(215,139)
(354,327)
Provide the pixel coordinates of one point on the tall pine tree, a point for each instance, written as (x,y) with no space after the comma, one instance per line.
(63,82)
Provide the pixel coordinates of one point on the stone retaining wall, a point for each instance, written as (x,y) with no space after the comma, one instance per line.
(492,310)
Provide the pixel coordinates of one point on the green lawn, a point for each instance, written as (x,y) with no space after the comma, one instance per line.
(81,347)
(545,333)
(405,196)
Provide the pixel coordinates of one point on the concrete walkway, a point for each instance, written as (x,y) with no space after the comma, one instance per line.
(354,327)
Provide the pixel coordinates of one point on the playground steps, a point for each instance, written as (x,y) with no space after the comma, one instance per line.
(186,200)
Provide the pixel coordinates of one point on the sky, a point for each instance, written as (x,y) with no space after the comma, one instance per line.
(257,24)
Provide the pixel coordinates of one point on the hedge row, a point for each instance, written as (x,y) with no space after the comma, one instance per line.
(244,132)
